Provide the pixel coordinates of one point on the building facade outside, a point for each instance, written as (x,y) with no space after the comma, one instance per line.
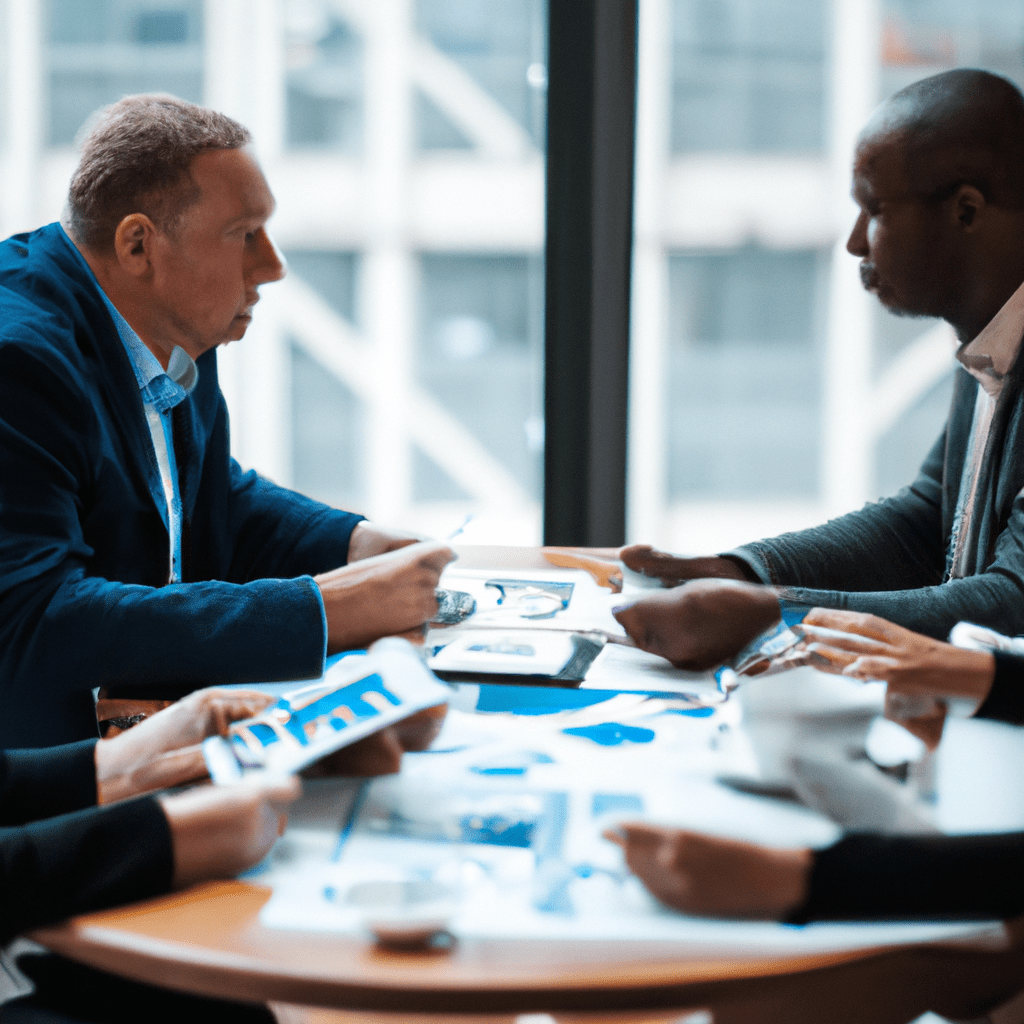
(398,369)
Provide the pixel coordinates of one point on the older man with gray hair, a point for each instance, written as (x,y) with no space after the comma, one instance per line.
(133,549)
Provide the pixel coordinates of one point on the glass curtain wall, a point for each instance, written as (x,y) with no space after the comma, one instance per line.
(397,370)
(769,391)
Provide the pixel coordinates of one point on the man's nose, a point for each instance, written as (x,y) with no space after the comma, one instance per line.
(857,243)
(269,263)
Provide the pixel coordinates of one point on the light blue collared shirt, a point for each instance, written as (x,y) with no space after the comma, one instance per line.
(161,390)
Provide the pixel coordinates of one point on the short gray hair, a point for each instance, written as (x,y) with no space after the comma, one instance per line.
(135,158)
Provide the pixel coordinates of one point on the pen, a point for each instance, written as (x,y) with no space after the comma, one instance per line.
(465,522)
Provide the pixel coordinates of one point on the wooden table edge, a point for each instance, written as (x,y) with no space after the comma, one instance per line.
(116,941)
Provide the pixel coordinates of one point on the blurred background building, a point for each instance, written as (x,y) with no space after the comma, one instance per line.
(398,369)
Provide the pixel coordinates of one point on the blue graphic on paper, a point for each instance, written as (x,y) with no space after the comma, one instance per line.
(611,734)
(616,803)
(357,702)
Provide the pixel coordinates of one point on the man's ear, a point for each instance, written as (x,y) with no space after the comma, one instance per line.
(133,244)
(967,204)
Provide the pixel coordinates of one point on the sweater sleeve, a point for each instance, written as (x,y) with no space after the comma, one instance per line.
(88,860)
(888,559)
(42,783)
(868,877)
(1005,701)
(889,544)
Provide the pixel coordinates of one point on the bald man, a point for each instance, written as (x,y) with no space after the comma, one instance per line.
(939,179)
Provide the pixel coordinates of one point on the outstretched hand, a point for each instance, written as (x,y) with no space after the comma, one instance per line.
(218,831)
(701,624)
(382,595)
(700,874)
(920,672)
(675,569)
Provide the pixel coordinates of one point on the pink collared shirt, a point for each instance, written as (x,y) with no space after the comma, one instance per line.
(988,358)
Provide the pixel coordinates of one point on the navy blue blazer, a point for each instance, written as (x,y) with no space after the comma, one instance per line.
(83,546)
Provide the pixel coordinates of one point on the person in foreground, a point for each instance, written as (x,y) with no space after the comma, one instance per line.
(78,835)
(939,179)
(133,549)
(863,876)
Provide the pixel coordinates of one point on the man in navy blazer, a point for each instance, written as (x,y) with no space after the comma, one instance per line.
(133,549)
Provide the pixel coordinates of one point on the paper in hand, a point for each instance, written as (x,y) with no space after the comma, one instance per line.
(360,695)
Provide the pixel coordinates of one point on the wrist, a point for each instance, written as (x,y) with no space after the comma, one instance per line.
(120,776)
(112,784)
(789,887)
(961,678)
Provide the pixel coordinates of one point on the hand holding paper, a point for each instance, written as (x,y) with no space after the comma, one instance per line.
(359,696)
(166,749)
(218,831)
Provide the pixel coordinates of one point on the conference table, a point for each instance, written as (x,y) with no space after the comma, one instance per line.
(210,940)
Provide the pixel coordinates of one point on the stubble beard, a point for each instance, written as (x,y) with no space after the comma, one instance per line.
(873,283)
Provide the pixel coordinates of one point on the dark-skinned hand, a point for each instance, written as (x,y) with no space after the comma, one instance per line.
(918,670)
(675,569)
(700,874)
(701,624)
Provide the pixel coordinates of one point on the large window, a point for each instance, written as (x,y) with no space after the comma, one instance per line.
(770,391)
(745,356)
(102,50)
(397,370)
(748,76)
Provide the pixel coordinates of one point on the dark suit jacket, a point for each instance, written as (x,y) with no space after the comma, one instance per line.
(83,547)
(76,860)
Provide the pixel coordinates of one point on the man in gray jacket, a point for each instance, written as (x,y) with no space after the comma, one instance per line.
(939,179)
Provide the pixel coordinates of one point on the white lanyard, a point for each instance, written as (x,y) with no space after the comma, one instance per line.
(163,446)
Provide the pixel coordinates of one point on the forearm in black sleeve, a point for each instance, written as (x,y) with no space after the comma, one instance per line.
(1005,701)
(869,877)
(84,861)
(42,783)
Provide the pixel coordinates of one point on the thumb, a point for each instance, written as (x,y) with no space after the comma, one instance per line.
(435,555)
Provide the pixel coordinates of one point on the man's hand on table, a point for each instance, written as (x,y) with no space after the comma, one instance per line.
(700,624)
(382,595)
(675,569)
(920,672)
(713,877)
(218,831)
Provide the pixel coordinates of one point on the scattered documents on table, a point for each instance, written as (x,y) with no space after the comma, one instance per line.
(550,625)
(496,833)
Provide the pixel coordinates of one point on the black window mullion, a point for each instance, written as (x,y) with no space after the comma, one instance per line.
(591,131)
